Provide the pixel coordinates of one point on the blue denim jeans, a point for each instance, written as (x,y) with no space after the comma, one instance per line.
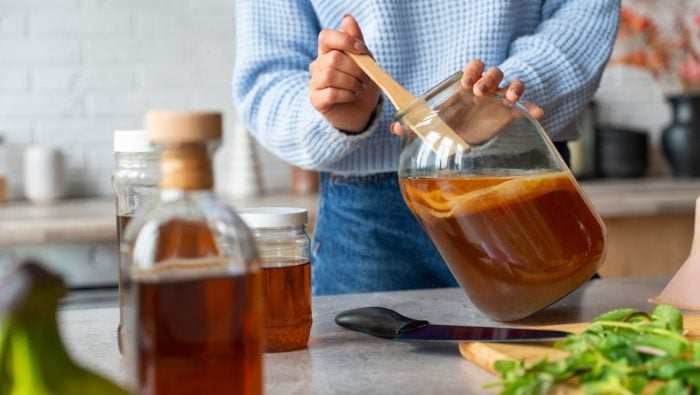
(366,239)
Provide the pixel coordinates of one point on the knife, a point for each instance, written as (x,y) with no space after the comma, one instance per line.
(388,324)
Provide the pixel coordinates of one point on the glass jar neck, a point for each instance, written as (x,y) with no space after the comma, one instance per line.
(136,159)
(434,97)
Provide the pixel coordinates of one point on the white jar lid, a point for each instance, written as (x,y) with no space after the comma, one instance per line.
(273,217)
(132,141)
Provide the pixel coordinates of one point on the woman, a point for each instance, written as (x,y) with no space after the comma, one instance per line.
(306,101)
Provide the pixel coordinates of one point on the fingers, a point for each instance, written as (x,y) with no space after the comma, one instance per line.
(514,90)
(396,129)
(536,111)
(472,72)
(339,61)
(330,39)
(488,82)
(324,99)
(331,78)
(482,83)
(350,26)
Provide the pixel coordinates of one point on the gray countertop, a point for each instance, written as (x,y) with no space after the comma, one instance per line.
(93,219)
(338,361)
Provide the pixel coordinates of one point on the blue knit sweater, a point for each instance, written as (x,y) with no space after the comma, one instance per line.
(558,48)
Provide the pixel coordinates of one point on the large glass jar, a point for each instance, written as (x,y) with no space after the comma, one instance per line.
(497,200)
(135,183)
(284,249)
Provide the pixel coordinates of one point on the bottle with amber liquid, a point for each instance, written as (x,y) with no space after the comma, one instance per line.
(193,284)
(283,245)
(135,183)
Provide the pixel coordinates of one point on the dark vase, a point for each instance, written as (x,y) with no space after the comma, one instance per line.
(681,139)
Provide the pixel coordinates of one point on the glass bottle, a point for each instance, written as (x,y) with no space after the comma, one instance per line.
(497,200)
(284,249)
(193,282)
(135,183)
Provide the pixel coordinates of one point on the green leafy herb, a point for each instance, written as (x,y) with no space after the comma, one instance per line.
(621,352)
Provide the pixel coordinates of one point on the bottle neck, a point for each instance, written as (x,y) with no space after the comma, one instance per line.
(186,167)
(686,109)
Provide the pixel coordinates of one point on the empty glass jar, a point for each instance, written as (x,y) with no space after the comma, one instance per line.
(497,200)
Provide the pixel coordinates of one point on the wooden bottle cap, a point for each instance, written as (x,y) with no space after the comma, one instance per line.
(176,127)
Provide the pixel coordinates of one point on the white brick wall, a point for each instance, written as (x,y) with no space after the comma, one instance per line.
(72,71)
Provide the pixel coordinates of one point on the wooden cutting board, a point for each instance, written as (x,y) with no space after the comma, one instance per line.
(486,354)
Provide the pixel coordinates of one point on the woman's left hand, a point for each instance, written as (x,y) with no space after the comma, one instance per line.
(484,83)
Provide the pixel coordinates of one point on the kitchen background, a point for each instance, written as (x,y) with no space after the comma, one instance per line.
(72,71)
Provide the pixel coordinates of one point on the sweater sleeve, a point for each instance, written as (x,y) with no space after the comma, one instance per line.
(562,62)
(276,42)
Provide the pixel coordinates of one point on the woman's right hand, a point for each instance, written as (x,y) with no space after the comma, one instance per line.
(338,88)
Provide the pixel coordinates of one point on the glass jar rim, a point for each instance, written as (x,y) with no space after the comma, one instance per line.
(445,88)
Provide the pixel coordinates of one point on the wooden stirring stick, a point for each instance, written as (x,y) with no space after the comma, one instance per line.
(400,97)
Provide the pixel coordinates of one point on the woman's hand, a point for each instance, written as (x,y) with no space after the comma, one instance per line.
(338,88)
(484,83)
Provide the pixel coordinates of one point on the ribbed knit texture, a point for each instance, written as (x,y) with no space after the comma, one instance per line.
(558,48)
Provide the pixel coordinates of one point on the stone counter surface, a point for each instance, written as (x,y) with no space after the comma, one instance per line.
(338,361)
(93,219)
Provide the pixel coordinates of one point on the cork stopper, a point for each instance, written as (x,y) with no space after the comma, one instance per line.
(185,162)
(180,127)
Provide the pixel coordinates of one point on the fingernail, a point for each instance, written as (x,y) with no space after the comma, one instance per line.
(482,88)
(516,92)
(468,81)
(346,15)
(360,46)
(363,87)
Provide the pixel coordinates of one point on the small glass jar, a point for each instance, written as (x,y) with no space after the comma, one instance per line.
(135,183)
(284,251)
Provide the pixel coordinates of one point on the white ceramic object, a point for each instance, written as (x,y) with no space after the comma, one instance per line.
(240,176)
(683,290)
(44,174)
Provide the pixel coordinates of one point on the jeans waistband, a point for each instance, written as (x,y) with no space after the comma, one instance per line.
(359,179)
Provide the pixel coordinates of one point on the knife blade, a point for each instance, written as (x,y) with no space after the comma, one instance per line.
(388,324)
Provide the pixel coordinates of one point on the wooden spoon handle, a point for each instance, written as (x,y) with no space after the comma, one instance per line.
(401,98)
(398,95)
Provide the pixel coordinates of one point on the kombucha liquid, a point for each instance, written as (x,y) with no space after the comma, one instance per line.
(197,327)
(287,304)
(514,244)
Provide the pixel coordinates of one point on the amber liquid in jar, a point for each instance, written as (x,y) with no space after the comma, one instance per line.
(122,222)
(198,328)
(514,244)
(287,304)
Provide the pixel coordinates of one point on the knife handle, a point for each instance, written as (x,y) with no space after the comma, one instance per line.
(377,321)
